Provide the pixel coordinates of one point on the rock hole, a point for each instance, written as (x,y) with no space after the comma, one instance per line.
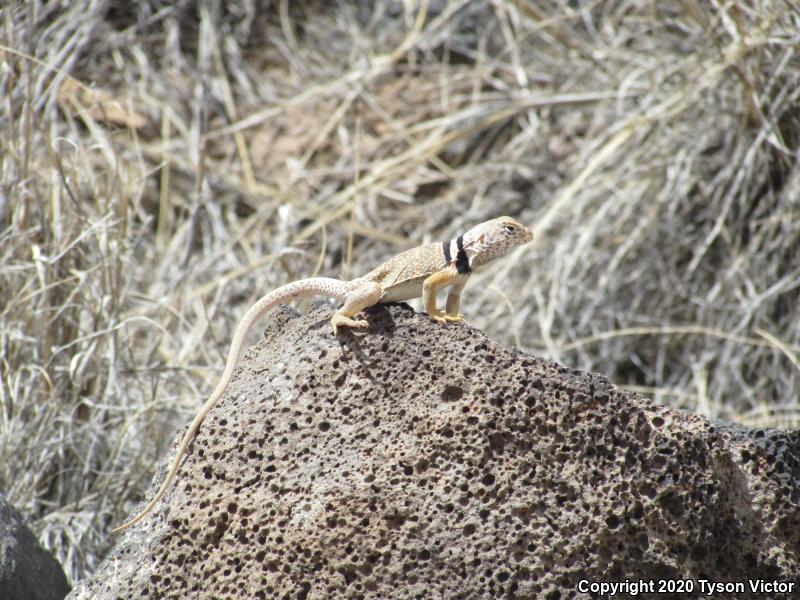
(452,393)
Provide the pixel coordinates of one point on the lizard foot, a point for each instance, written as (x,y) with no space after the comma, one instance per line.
(438,316)
(342,321)
(453,318)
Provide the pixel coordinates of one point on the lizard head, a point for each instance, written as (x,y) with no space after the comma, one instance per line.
(494,238)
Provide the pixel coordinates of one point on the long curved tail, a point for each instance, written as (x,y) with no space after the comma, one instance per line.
(315,286)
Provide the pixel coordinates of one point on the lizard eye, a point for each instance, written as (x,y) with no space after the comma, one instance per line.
(509,228)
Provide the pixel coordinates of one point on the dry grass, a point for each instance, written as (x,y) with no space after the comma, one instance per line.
(164,164)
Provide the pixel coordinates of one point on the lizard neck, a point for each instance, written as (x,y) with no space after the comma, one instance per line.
(456,252)
(467,254)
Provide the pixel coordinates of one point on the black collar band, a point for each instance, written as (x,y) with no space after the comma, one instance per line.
(462,260)
(446,252)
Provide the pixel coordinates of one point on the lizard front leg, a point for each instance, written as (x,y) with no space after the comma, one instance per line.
(454,302)
(363,295)
(431,285)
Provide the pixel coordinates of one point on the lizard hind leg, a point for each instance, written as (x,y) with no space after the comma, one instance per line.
(363,295)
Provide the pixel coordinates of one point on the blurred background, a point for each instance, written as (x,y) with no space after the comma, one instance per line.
(164,164)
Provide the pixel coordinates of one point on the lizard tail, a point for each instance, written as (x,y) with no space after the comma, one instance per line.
(322,286)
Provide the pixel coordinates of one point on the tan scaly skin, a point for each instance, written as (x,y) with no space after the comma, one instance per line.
(421,271)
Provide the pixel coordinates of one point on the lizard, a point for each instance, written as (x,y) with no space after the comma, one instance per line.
(420,271)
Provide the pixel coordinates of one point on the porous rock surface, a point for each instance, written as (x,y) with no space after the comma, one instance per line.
(422,460)
(27,571)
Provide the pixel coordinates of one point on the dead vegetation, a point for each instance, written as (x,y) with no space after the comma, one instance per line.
(164,164)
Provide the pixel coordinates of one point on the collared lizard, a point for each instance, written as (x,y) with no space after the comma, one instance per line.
(420,271)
